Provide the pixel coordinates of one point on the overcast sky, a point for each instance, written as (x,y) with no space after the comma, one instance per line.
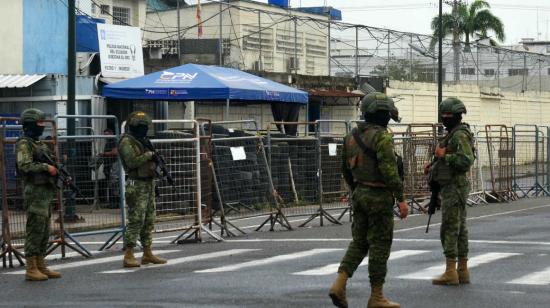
(519,16)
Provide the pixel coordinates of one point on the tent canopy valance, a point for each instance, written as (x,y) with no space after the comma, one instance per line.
(194,82)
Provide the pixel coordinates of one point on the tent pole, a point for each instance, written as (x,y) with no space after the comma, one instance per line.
(227,110)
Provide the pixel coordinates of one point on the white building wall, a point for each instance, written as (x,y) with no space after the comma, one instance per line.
(11,32)
(242,29)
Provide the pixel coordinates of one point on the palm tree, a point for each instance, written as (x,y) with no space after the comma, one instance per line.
(467,22)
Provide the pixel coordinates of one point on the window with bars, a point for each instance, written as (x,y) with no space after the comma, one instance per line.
(121,15)
(468,71)
(489,72)
(518,72)
(105,9)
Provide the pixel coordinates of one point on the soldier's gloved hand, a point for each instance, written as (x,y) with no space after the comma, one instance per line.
(52,170)
(403,209)
(427,167)
(440,152)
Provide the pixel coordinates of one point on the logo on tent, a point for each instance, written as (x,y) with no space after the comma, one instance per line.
(169,77)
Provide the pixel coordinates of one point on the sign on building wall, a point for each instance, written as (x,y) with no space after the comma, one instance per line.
(120,51)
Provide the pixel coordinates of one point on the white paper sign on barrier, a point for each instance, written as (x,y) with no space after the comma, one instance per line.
(238,153)
(332,149)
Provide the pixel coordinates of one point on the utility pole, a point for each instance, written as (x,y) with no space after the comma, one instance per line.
(260,66)
(221,36)
(70,205)
(357,53)
(179,32)
(440,61)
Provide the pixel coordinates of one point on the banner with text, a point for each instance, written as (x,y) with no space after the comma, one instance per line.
(120,51)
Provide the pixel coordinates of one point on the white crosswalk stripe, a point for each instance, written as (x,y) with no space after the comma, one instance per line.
(433,271)
(181,260)
(92,262)
(265,261)
(333,268)
(537,278)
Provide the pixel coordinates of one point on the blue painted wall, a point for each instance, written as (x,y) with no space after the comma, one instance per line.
(44,37)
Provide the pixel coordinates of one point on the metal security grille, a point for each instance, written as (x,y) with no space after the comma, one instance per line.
(97,208)
(501,158)
(529,150)
(121,15)
(242,176)
(294,163)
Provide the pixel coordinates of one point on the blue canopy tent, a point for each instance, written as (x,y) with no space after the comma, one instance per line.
(194,82)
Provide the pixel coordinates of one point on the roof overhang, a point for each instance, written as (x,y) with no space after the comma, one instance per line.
(19,81)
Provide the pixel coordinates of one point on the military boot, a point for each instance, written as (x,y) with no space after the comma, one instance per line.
(149,257)
(450,277)
(462,269)
(129,259)
(32,273)
(43,268)
(378,300)
(338,290)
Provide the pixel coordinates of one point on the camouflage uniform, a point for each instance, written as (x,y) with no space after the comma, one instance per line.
(140,190)
(38,192)
(449,172)
(370,169)
(459,157)
(378,185)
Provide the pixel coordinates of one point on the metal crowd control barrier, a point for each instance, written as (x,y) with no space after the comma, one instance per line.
(293,161)
(179,208)
(13,215)
(242,177)
(333,192)
(529,150)
(476,177)
(501,154)
(98,207)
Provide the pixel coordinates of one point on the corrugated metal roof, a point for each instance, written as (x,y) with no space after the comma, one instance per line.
(19,81)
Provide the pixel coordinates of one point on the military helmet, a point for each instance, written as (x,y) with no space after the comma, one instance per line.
(32,115)
(452,105)
(376,101)
(137,118)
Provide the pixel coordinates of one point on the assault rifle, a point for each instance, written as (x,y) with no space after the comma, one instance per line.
(435,189)
(63,178)
(161,170)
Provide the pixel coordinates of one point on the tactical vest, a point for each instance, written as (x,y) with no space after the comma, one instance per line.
(440,171)
(37,148)
(144,172)
(364,168)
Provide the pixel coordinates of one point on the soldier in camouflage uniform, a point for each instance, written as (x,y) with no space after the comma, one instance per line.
(454,157)
(369,167)
(38,192)
(140,166)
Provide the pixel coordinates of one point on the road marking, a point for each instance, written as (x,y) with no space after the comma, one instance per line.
(176,261)
(433,271)
(269,260)
(478,217)
(333,268)
(92,262)
(537,278)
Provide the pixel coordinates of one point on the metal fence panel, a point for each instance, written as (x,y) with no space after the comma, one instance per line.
(501,159)
(242,176)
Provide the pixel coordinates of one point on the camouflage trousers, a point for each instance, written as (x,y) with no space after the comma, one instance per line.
(372,232)
(140,197)
(454,232)
(37,202)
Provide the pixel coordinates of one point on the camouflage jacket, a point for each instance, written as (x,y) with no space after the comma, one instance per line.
(356,166)
(459,152)
(33,171)
(137,161)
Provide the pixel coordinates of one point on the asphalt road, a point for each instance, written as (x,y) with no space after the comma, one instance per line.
(509,258)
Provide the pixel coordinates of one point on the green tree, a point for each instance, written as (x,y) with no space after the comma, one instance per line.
(467,22)
(405,69)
